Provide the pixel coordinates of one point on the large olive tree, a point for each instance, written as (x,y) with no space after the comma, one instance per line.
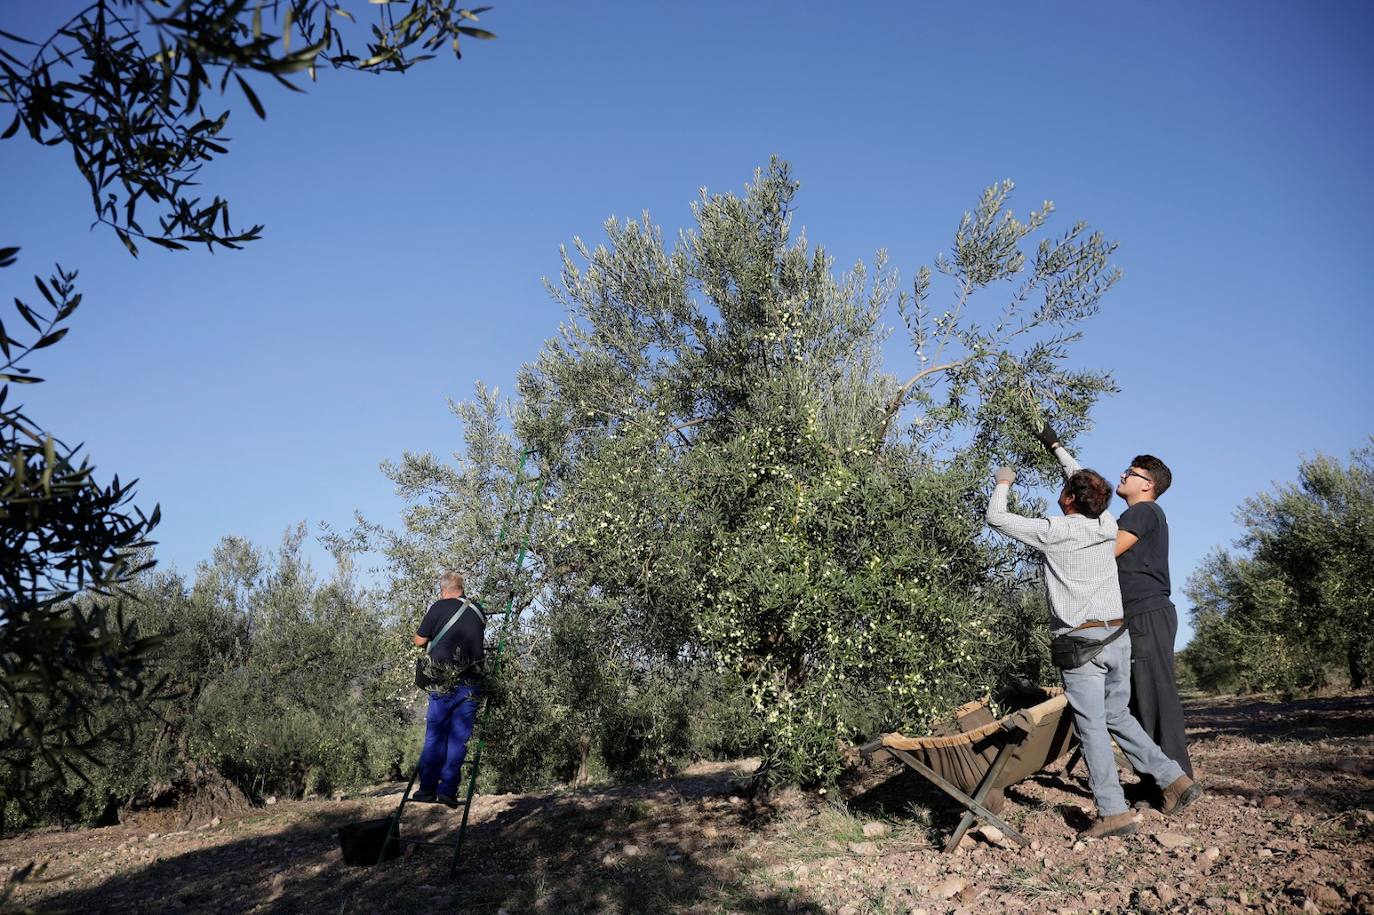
(738,481)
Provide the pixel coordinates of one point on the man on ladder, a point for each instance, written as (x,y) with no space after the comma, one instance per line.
(451,633)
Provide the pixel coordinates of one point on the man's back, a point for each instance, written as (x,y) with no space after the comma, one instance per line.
(462,643)
(1080,563)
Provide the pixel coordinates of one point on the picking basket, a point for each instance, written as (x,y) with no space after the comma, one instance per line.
(361,843)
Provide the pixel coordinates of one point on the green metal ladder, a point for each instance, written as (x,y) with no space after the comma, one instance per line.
(472,762)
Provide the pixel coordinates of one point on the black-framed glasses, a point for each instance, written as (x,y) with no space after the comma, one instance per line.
(1132,473)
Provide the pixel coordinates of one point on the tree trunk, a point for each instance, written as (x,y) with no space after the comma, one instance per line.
(208,795)
(1355,660)
(584,752)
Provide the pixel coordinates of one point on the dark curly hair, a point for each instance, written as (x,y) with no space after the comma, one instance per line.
(1157,469)
(1091,493)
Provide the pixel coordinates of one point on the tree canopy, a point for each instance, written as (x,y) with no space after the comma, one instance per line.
(731,476)
(125,84)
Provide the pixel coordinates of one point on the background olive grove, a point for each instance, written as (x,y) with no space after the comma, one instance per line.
(277,683)
(747,536)
(1293,607)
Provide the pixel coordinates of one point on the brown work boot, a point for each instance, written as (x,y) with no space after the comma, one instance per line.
(1118,824)
(1179,793)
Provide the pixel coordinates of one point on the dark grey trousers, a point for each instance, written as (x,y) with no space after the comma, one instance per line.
(1154,691)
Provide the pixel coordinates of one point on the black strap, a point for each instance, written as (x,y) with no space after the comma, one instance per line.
(1109,639)
(451,620)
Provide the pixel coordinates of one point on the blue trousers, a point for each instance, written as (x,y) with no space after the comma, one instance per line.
(448,725)
(1099,694)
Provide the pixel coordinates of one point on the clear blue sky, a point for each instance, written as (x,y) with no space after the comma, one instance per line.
(410,220)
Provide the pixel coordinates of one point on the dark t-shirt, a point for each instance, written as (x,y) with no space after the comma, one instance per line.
(463,641)
(1143,570)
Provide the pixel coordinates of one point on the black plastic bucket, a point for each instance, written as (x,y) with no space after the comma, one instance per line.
(361,843)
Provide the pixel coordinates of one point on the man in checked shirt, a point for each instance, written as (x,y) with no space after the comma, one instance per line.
(1085,600)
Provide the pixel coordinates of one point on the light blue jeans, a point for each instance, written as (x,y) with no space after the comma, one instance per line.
(1099,694)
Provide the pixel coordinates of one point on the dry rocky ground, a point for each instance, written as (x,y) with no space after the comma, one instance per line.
(1287,825)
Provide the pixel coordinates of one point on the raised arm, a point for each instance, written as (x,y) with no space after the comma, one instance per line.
(1067,462)
(1033,532)
(1050,438)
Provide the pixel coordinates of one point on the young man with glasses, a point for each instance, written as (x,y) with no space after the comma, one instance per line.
(1142,562)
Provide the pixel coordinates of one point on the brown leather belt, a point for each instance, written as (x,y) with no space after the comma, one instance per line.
(1099,624)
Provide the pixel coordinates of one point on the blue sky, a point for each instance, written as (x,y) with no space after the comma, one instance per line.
(410,221)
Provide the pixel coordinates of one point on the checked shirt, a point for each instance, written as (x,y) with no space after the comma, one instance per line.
(1080,556)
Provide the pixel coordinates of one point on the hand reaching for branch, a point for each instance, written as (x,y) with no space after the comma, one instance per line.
(1006,475)
(1047,435)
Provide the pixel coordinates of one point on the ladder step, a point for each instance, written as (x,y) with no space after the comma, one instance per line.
(462,802)
(407,841)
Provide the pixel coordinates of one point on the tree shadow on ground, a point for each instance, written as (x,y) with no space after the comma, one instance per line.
(907,793)
(911,794)
(1135,787)
(1327,766)
(1330,779)
(1263,720)
(541,854)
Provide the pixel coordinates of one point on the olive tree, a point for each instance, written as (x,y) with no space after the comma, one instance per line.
(734,475)
(1297,599)
(62,663)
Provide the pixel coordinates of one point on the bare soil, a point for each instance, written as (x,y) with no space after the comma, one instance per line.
(1286,824)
